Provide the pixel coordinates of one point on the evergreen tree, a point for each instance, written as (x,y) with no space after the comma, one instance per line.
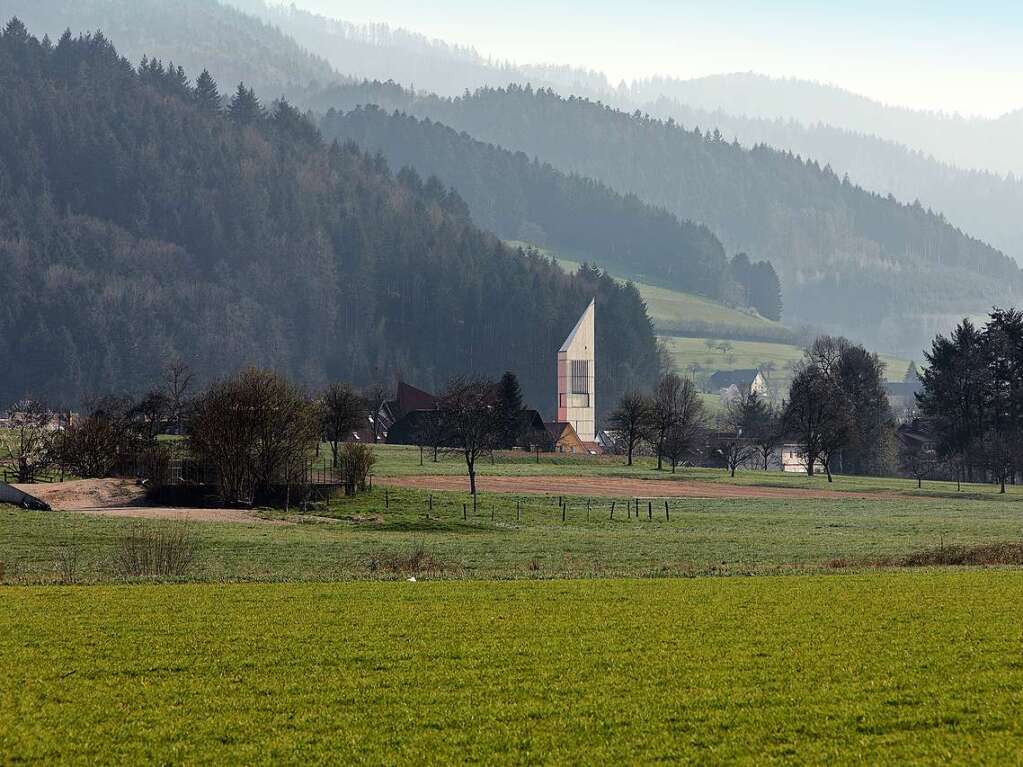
(207,97)
(245,108)
(509,410)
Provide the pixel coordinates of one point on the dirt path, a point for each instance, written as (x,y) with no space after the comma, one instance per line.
(614,487)
(123,498)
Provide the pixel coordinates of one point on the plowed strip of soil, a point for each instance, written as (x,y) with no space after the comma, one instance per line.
(613,487)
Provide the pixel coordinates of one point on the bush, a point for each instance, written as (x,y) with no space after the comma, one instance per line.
(356,461)
(155,551)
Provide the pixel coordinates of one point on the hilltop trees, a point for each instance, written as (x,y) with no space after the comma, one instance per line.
(229,237)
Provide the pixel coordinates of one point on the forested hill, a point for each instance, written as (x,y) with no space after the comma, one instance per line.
(194,34)
(886,273)
(983,203)
(520,199)
(139,222)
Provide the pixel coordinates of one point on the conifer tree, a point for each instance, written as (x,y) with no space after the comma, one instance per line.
(206,96)
(245,108)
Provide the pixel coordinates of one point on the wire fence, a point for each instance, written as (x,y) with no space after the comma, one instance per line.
(510,508)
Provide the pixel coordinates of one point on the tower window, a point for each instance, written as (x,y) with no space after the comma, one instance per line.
(580,377)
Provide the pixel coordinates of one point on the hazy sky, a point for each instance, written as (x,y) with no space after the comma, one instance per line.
(954,56)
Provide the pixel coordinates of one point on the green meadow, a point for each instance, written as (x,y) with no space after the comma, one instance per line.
(396,533)
(920,668)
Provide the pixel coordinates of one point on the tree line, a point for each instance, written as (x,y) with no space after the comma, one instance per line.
(836,417)
(144,217)
(971,405)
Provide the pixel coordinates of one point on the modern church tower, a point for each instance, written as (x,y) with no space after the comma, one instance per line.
(576,378)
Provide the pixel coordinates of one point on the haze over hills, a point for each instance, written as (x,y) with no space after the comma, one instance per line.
(195,34)
(850,261)
(521,199)
(969,142)
(954,165)
(983,203)
(822,122)
(884,272)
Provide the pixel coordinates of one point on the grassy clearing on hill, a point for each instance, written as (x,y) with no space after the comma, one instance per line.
(675,312)
(878,669)
(753,354)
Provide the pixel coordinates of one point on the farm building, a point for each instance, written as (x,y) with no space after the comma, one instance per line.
(730,384)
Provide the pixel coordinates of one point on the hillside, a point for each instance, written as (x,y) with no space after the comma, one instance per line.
(677,313)
(380,52)
(975,143)
(983,203)
(149,224)
(195,34)
(520,199)
(884,273)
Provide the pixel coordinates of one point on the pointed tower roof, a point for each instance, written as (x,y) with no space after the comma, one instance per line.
(587,318)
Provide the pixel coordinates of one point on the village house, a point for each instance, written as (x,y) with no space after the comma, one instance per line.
(731,384)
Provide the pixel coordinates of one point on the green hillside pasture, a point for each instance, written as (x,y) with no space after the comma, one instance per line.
(752,354)
(875,669)
(395,533)
(676,313)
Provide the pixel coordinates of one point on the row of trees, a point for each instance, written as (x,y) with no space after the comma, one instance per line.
(836,414)
(674,423)
(972,399)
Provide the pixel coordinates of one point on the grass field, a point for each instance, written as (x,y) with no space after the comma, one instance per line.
(395,533)
(880,669)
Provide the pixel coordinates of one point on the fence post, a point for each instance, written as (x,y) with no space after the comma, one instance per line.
(587,509)
(465,511)
(563,509)
(612,509)
(518,510)
(650,509)
(666,515)
(431,502)
(637,508)
(387,498)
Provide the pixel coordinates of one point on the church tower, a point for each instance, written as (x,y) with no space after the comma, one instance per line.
(577,377)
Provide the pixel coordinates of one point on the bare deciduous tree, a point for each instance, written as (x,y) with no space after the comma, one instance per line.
(29,445)
(178,378)
(630,420)
(677,411)
(255,430)
(343,411)
(467,407)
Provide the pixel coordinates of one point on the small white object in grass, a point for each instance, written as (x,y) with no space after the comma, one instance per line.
(412,579)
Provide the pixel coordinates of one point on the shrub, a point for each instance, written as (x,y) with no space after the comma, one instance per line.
(356,461)
(165,551)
